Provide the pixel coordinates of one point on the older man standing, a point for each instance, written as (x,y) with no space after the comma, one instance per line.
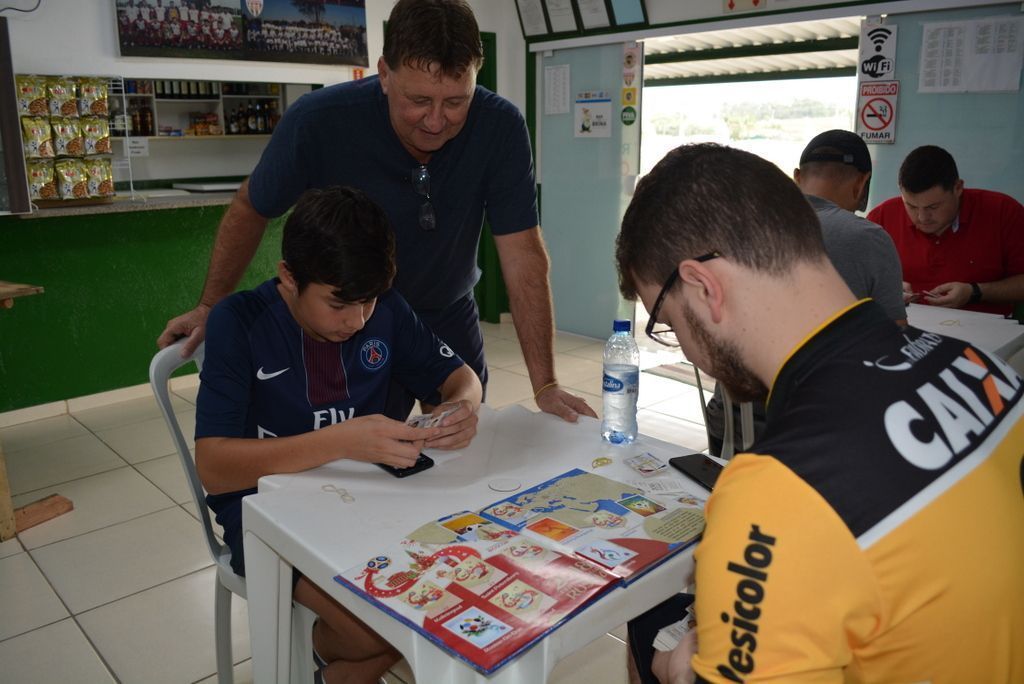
(960,247)
(883,502)
(437,152)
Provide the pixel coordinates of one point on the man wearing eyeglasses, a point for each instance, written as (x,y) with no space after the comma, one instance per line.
(438,153)
(885,499)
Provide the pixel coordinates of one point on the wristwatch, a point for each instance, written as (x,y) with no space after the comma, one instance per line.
(975,294)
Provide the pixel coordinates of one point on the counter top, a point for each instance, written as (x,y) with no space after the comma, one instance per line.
(126,203)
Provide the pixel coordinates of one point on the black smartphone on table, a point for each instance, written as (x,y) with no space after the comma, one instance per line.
(422,463)
(699,468)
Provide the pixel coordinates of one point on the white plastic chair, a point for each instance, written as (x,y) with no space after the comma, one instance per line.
(163,364)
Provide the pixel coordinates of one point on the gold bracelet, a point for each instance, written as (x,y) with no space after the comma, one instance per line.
(544,389)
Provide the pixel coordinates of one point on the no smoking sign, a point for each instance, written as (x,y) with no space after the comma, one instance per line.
(876,111)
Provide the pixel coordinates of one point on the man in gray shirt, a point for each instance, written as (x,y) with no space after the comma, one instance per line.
(835,169)
(834,172)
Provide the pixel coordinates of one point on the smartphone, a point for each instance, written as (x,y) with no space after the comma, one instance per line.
(698,467)
(422,463)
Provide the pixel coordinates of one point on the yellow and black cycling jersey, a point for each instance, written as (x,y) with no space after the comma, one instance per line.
(876,532)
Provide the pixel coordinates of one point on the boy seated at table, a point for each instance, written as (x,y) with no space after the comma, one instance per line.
(296,375)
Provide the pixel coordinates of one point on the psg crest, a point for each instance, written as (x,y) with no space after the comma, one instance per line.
(374,354)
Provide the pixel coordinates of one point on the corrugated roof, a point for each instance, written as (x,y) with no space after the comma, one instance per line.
(688,48)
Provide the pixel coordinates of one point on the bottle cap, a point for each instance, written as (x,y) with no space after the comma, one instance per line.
(621,326)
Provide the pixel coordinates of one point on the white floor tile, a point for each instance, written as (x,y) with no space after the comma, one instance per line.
(505,330)
(55,653)
(26,600)
(125,412)
(591,352)
(100,500)
(686,405)
(601,662)
(571,370)
(188,393)
(40,432)
(165,634)
(655,389)
(242,674)
(49,464)
(501,353)
(168,474)
(505,387)
(108,564)
(672,430)
(10,547)
(148,439)
(565,342)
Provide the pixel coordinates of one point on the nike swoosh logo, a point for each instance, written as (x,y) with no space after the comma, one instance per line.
(267,376)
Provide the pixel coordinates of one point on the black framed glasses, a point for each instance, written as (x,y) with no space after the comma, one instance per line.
(421,184)
(664,334)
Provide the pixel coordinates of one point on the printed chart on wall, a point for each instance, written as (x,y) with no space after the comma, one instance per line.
(972,56)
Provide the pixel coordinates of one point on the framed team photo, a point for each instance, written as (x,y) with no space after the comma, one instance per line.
(311,31)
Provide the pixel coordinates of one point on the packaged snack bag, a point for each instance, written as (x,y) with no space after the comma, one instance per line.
(60,91)
(36,136)
(41,185)
(67,137)
(95,134)
(92,97)
(72,182)
(100,175)
(31,92)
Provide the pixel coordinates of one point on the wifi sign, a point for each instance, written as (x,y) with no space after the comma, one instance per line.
(878,37)
(877,51)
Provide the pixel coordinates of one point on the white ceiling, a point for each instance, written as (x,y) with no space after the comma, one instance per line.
(694,43)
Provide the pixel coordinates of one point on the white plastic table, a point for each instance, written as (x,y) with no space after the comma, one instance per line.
(1004,337)
(305,521)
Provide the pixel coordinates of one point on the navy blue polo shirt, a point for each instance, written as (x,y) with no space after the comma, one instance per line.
(342,135)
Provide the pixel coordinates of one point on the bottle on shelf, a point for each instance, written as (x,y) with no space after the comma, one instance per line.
(272,116)
(261,119)
(250,120)
(620,383)
(175,89)
(115,110)
(148,127)
(158,89)
(232,127)
(136,119)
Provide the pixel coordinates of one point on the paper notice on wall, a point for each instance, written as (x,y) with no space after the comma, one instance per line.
(556,89)
(593,115)
(972,56)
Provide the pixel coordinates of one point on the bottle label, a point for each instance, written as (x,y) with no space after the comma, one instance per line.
(625,383)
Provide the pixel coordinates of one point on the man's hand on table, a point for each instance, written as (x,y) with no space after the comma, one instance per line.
(7,303)
(457,429)
(673,667)
(565,405)
(951,295)
(191,324)
(379,439)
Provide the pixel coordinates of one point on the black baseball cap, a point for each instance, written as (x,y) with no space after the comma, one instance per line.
(838,146)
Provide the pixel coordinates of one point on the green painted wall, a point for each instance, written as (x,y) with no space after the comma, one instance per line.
(111,281)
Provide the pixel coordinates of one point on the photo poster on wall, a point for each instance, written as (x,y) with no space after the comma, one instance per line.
(307,31)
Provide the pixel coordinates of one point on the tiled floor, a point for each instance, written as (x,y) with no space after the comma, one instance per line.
(121,588)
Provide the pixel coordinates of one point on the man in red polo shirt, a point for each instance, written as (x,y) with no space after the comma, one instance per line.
(959,247)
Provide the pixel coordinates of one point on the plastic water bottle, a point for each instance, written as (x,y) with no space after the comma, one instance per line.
(620,384)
